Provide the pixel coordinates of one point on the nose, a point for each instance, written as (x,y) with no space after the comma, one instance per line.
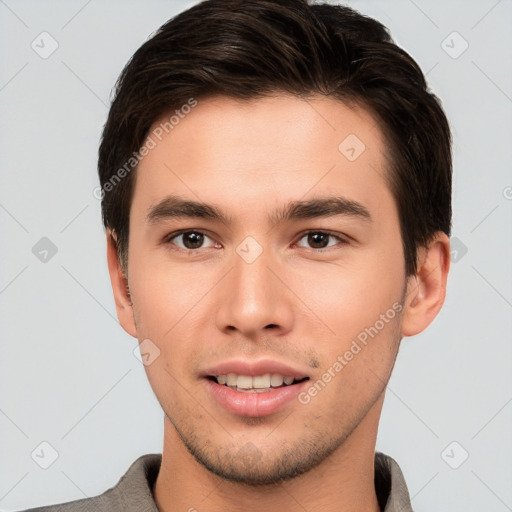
(254,299)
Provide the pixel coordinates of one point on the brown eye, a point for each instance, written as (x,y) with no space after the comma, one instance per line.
(318,240)
(321,239)
(189,240)
(193,240)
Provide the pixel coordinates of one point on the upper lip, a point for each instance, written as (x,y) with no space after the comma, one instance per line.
(254,368)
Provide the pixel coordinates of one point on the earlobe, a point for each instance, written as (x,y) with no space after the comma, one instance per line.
(426,290)
(120,289)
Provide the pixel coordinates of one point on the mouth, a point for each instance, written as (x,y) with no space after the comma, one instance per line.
(254,388)
(255,384)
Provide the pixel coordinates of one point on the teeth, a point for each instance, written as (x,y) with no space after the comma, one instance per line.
(261,381)
(276,380)
(257,384)
(244,382)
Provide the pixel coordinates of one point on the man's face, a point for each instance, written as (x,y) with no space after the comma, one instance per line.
(257,293)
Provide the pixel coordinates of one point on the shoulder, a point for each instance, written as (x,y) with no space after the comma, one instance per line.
(132,492)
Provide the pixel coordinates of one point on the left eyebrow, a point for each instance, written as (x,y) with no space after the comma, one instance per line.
(320,207)
(175,206)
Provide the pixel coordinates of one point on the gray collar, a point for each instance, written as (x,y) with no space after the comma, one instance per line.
(390,485)
(134,491)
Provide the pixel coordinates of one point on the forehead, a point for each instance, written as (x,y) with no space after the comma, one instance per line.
(264,151)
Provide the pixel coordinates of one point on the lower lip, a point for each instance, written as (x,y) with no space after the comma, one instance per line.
(255,404)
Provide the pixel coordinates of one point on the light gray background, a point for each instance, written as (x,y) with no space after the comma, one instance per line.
(68,374)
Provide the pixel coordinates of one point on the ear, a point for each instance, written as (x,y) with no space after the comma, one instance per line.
(122,297)
(426,290)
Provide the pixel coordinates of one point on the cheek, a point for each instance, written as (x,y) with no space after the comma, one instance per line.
(351,296)
(167,302)
(166,294)
(170,302)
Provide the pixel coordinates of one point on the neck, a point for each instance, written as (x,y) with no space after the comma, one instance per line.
(342,482)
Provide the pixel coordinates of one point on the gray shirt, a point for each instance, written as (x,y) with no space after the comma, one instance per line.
(133,493)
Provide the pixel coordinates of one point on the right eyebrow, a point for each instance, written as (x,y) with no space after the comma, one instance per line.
(174,206)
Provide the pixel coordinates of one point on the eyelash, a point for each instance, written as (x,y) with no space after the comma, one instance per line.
(341,241)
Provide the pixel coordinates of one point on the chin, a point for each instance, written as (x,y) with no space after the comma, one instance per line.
(252,466)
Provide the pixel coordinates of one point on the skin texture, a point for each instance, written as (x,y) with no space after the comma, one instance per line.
(294,303)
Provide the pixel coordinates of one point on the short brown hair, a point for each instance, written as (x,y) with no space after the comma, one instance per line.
(248,49)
